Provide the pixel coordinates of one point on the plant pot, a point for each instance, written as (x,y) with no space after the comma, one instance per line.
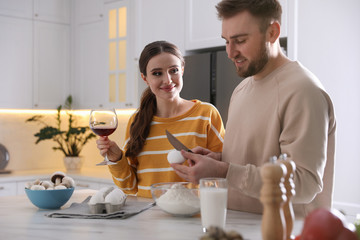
(73,164)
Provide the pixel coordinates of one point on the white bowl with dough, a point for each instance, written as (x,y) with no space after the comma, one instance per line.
(179,199)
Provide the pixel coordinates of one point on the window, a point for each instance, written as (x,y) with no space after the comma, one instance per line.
(118,53)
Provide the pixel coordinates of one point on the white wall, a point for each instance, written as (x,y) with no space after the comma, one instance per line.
(328,43)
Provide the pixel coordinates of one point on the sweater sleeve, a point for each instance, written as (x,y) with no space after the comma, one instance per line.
(124,172)
(307,123)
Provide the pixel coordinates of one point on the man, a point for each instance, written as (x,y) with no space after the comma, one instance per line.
(281,107)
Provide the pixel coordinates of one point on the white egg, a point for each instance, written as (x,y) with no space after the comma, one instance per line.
(97,198)
(116,196)
(174,156)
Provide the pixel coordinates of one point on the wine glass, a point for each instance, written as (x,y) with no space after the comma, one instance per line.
(103,122)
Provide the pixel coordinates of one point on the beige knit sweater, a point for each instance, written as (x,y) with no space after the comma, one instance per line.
(286,112)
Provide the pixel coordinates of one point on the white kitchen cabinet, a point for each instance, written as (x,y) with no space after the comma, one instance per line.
(203,28)
(35,53)
(160,20)
(51,64)
(89,86)
(57,11)
(16,58)
(20,187)
(51,33)
(87,11)
(7,188)
(17,8)
(12,188)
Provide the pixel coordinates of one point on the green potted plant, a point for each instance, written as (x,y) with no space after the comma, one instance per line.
(70,141)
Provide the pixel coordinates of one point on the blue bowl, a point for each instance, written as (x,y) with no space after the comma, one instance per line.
(49,199)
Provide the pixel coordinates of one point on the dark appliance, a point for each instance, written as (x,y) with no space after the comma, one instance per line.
(210,77)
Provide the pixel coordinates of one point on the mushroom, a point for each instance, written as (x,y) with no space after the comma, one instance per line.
(46,184)
(28,185)
(68,182)
(57,177)
(60,186)
(37,182)
(37,187)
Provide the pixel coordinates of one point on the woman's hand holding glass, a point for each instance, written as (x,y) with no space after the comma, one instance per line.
(109,148)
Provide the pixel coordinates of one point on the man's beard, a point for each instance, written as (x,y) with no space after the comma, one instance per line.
(256,65)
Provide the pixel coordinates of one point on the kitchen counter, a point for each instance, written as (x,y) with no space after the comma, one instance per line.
(19,219)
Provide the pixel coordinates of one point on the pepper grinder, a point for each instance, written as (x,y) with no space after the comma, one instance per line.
(290,192)
(272,196)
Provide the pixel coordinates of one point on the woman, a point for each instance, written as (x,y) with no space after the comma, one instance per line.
(144,159)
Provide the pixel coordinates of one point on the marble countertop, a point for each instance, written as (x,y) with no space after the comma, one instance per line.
(19,219)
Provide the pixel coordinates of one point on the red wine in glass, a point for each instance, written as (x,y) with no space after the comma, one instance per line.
(103,122)
(103,132)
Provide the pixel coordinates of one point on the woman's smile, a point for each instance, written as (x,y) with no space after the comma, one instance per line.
(168,88)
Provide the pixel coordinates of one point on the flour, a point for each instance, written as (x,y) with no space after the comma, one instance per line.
(179,200)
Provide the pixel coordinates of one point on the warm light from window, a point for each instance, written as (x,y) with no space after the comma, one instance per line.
(112,56)
(112,24)
(122,22)
(117,54)
(122,55)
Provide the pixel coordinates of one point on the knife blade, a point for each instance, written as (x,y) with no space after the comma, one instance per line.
(176,143)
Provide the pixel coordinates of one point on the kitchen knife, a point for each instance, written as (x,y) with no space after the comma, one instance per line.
(176,143)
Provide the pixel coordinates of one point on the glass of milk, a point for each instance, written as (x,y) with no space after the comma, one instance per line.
(213,202)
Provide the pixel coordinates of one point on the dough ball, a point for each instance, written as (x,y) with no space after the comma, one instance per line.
(174,156)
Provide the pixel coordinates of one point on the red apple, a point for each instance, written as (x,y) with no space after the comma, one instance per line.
(325,224)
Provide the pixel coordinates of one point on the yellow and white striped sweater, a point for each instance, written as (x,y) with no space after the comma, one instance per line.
(200,126)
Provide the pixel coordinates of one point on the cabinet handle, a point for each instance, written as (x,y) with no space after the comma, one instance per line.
(2,188)
(36,15)
(82,185)
(101,15)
